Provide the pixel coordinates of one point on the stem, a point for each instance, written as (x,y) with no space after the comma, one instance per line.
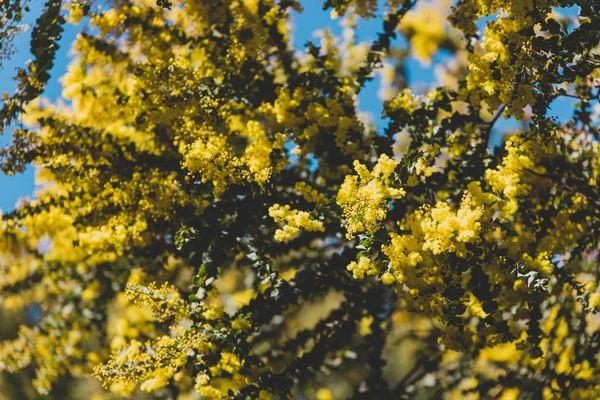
(487,133)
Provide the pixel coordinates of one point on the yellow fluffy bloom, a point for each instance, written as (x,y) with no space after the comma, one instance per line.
(514,177)
(443,229)
(436,230)
(214,157)
(364,267)
(309,193)
(426,29)
(364,197)
(224,376)
(295,222)
(165,301)
(594,301)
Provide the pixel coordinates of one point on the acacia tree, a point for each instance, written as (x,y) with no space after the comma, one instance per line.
(216,219)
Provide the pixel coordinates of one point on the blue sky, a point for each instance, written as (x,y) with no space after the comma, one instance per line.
(14,187)
(313,18)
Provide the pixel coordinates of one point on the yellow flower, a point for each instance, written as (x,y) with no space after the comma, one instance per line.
(364,197)
(364,267)
(295,221)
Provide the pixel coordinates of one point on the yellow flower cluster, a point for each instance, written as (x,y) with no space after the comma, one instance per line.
(51,352)
(364,197)
(404,251)
(474,306)
(557,357)
(126,321)
(154,363)
(165,302)
(213,157)
(506,52)
(513,177)
(422,165)
(425,26)
(405,100)
(250,29)
(248,35)
(594,301)
(437,230)
(310,194)
(331,116)
(212,305)
(224,376)
(295,221)
(302,112)
(362,8)
(75,13)
(282,110)
(112,236)
(364,267)
(107,21)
